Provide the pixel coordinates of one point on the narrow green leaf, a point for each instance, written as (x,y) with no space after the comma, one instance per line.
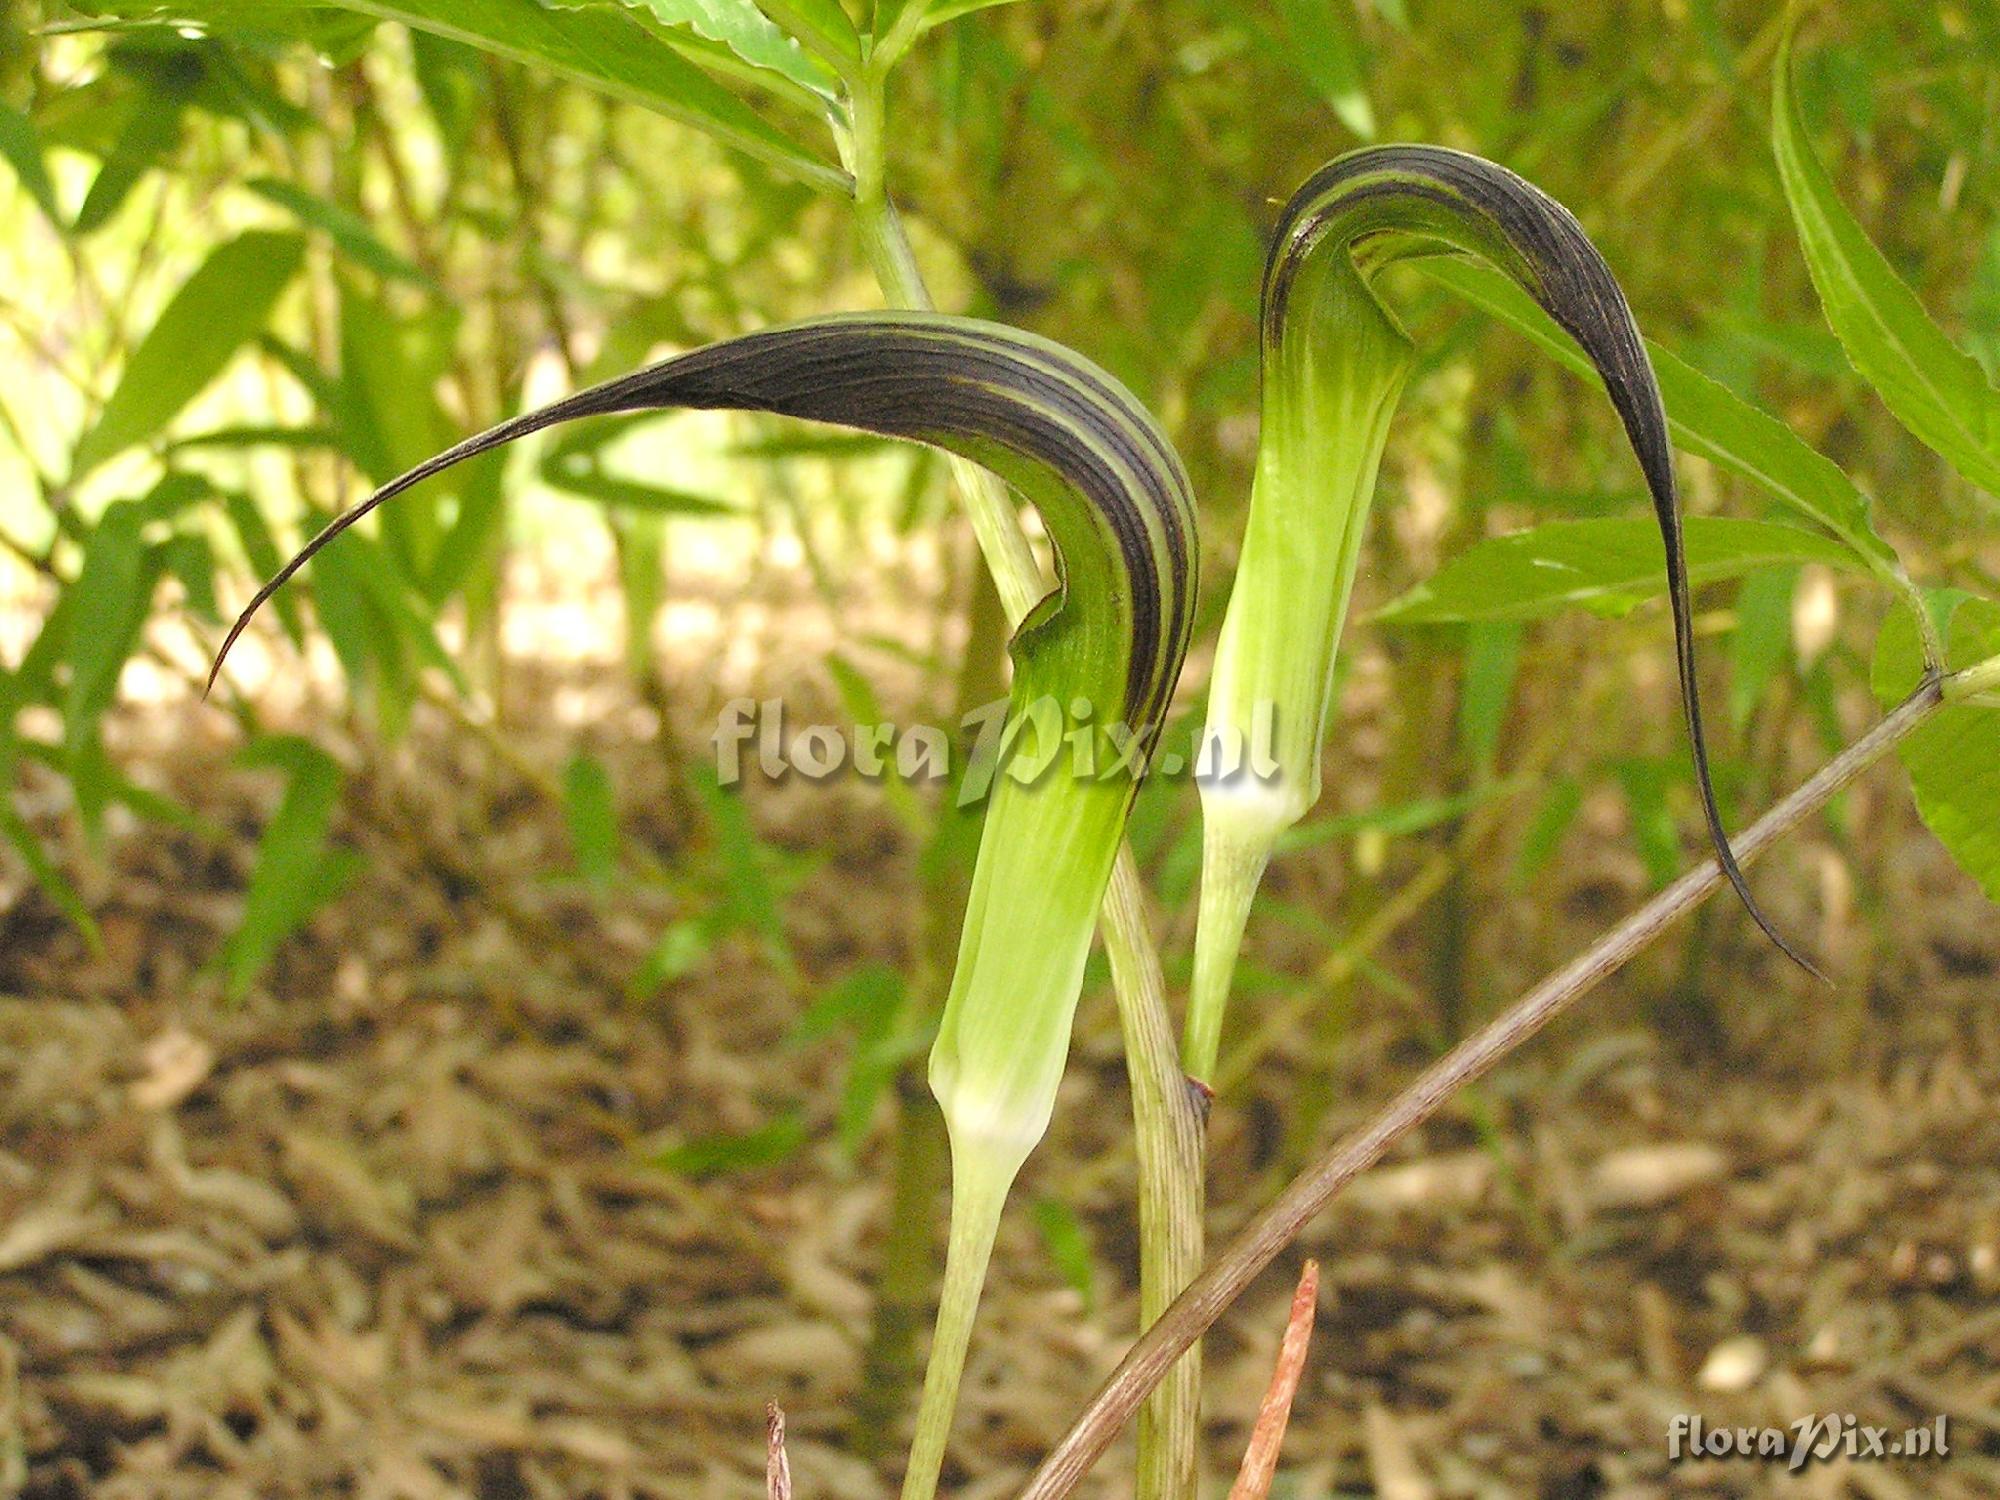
(112,594)
(1762,641)
(576,475)
(219,309)
(294,873)
(1068,1246)
(1707,418)
(591,809)
(680,949)
(152,128)
(1608,565)
(1327,48)
(1397,820)
(1654,835)
(52,881)
(1558,810)
(22,147)
(1954,756)
(1934,388)
(348,231)
(1492,660)
(941,12)
(715,1155)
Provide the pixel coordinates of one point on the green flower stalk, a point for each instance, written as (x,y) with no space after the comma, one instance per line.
(1095,664)
(1334,361)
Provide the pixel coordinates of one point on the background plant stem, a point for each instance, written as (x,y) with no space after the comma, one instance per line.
(1237,1264)
(1167,1126)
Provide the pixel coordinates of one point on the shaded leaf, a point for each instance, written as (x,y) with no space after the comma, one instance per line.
(1762,641)
(591,811)
(1327,48)
(1954,756)
(52,881)
(348,231)
(295,873)
(22,147)
(712,1155)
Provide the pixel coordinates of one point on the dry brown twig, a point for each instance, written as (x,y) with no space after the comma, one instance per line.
(777,1465)
(1260,1458)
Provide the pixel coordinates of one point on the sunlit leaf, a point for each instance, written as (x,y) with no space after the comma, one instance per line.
(603,47)
(736,24)
(217,310)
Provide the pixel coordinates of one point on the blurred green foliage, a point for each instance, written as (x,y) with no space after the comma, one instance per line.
(261,255)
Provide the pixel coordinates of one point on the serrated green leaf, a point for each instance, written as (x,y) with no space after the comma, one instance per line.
(736,24)
(604,47)
(218,310)
(1935,389)
(1607,565)
(1707,418)
(1953,757)
(823,25)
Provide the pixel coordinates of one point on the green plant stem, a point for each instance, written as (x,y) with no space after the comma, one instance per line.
(1169,1115)
(976,1200)
(1167,1126)
(1233,1268)
(1975,681)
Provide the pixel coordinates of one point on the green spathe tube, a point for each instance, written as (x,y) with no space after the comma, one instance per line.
(1333,364)
(1095,665)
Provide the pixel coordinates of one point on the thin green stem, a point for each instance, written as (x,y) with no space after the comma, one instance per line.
(1166,1123)
(1230,871)
(976,1199)
(1974,682)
